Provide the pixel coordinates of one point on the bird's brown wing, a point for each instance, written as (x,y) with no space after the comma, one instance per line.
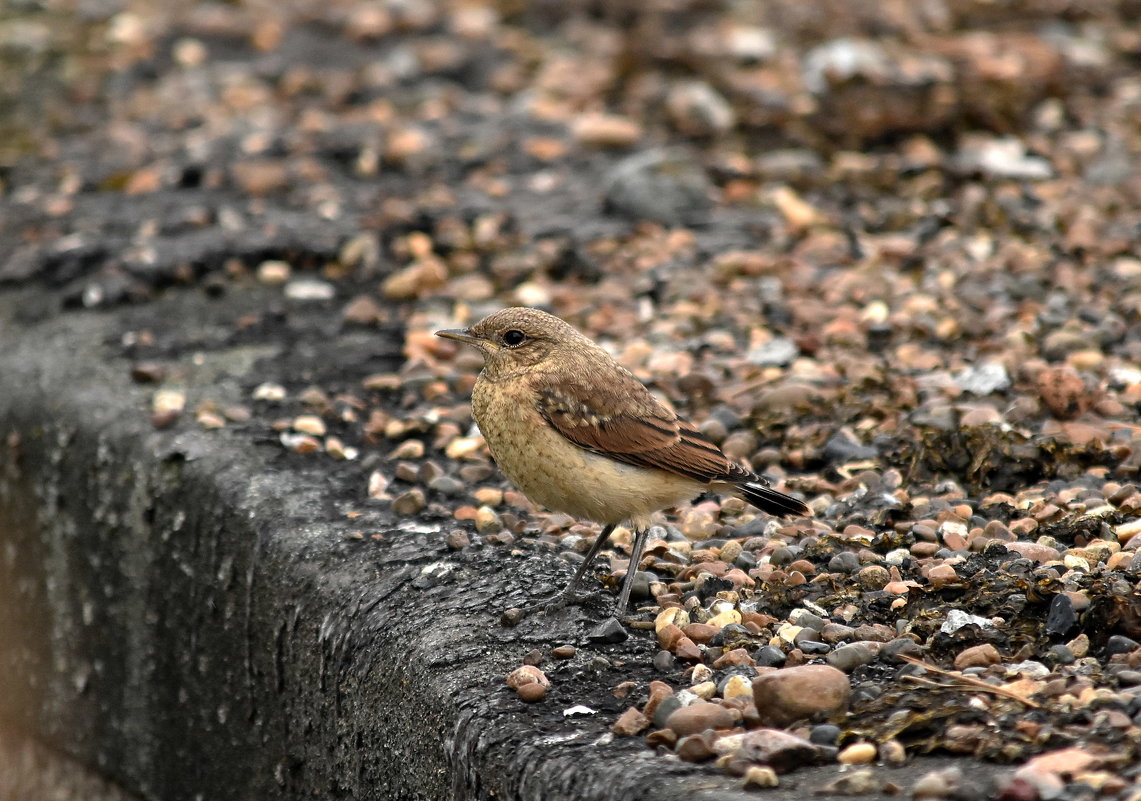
(625,422)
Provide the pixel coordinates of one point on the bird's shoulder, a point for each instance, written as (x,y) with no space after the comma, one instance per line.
(614,414)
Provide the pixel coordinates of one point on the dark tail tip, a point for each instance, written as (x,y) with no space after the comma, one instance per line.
(769,500)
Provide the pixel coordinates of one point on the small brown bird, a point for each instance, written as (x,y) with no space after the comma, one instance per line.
(578,433)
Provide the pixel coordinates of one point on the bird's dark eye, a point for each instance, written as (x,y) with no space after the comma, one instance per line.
(513,337)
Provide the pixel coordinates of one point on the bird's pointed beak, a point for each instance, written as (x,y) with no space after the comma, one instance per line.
(459,335)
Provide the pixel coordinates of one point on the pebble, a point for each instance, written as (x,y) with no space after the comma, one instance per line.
(447,486)
(653,185)
(937,784)
(825,734)
(409,503)
(737,686)
(697,109)
(310,289)
(769,656)
(857,754)
(657,692)
(849,657)
(608,631)
(529,682)
(699,716)
(273,272)
(530,693)
(760,776)
(630,722)
(856,783)
(801,692)
(606,130)
(695,747)
(408,449)
(977,656)
(487,520)
(779,750)
(704,690)
(893,753)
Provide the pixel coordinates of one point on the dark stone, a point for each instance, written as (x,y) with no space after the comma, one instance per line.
(669,705)
(769,656)
(1120,644)
(608,631)
(824,734)
(664,662)
(901,646)
(1062,616)
(814,648)
(844,562)
(1060,655)
(656,185)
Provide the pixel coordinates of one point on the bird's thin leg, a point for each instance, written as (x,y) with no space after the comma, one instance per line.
(568,595)
(636,549)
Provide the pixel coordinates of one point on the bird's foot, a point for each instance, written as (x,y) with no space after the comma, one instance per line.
(561,600)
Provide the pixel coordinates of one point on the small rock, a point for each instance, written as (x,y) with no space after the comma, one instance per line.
(686,649)
(1062,616)
(781,751)
(606,130)
(699,716)
(977,656)
(653,185)
(487,520)
(608,631)
(310,289)
(893,753)
(1033,550)
(858,782)
(849,657)
(824,734)
(760,776)
(697,109)
(704,690)
(1063,392)
(273,272)
(409,503)
(526,674)
(148,372)
(309,424)
(658,692)
(530,693)
(630,722)
(695,748)
(363,310)
(795,693)
(984,379)
(857,754)
(736,686)
(937,784)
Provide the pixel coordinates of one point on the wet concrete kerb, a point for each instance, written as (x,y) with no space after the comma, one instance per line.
(191,615)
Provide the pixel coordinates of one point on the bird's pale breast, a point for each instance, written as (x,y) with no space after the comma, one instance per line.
(556,473)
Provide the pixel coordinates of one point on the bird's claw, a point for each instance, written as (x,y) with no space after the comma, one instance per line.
(560,601)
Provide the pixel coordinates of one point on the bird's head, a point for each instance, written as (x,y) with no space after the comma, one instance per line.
(516,339)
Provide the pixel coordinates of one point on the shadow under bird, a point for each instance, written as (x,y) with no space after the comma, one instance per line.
(578,433)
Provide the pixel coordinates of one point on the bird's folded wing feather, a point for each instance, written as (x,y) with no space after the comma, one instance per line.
(631,426)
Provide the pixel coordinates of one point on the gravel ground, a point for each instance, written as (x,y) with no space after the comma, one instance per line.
(885,253)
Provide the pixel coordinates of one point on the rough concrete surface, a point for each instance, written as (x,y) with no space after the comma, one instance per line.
(185,618)
(191,617)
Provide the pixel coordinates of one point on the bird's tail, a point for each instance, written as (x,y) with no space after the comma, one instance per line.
(769,500)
